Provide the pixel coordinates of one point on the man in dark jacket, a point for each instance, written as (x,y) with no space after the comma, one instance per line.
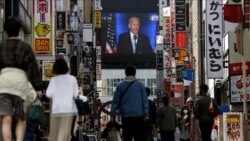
(201,113)
(166,120)
(130,101)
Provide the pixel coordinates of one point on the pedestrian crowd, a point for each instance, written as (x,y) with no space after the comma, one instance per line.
(141,119)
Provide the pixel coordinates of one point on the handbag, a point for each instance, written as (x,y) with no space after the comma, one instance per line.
(35,111)
(83,108)
(213,111)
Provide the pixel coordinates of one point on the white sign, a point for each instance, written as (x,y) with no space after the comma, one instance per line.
(166,11)
(87,32)
(214,42)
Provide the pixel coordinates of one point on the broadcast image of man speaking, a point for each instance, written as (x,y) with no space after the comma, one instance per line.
(134,42)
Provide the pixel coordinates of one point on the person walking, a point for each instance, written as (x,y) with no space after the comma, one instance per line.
(62,90)
(20,80)
(184,122)
(150,123)
(131,103)
(166,120)
(201,112)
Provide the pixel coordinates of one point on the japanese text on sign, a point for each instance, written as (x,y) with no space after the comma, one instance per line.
(214,38)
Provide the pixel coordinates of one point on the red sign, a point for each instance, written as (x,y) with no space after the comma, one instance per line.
(42,9)
(168,30)
(42,45)
(178,89)
(180,39)
(236,68)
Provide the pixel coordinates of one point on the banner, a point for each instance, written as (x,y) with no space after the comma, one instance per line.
(214,42)
(42,27)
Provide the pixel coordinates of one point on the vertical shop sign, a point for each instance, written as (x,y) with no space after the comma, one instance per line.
(97,19)
(42,27)
(180,39)
(180,15)
(172,5)
(214,48)
(60,18)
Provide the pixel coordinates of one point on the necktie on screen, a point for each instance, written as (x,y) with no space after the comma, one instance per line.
(134,42)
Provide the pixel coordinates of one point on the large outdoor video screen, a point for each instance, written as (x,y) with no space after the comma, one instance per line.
(117,41)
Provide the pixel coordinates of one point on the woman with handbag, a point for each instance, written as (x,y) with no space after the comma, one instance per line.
(62,90)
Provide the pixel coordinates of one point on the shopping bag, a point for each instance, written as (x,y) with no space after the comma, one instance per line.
(214,133)
(35,112)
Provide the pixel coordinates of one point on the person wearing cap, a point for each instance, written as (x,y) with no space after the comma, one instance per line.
(190,103)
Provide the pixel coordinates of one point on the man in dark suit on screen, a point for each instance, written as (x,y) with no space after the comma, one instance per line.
(133,42)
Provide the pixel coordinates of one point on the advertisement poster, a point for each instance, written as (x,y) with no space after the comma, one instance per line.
(42,26)
(178,89)
(233,126)
(236,84)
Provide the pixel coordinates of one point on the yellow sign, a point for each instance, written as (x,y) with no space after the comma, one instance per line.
(47,70)
(42,17)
